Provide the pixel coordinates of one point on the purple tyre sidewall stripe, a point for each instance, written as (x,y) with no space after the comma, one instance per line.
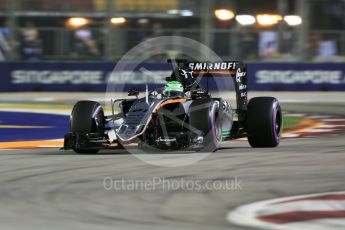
(95,113)
(275,132)
(213,125)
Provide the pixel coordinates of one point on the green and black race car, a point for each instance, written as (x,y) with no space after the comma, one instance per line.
(182,115)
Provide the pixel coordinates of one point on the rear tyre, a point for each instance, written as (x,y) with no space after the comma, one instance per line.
(87,117)
(205,117)
(264,122)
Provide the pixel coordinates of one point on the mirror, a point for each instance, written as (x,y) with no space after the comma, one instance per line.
(133,92)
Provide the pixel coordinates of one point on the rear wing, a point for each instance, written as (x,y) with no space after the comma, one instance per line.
(226,67)
(234,69)
(215,67)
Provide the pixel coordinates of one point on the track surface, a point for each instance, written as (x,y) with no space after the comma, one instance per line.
(49,189)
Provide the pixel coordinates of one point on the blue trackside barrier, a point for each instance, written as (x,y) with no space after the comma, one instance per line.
(85,76)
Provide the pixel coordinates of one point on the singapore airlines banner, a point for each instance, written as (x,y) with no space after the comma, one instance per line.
(296,77)
(77,76)
(95,76)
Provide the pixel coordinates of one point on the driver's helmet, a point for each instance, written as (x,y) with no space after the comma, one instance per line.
(173,89)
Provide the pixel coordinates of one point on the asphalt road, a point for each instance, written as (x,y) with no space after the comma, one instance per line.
(50,189)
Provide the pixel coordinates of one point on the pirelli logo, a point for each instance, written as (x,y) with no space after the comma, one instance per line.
(216,66)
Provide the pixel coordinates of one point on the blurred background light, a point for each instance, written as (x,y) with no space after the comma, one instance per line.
(143,21)
(245,20)
(119,20)
(268,19)
(173,11)
(186,13)
(77,22)
(224,14)
(293,20)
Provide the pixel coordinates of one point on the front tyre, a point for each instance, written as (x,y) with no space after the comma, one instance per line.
(264,122)
(87,117)
(205,117)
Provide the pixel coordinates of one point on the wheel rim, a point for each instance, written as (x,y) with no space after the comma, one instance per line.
(218,129)
(278,123)
(215,133)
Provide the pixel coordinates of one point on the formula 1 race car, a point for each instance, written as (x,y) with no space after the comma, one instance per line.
(182,115)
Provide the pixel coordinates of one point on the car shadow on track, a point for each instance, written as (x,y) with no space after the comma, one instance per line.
(115,152)
(233,148)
